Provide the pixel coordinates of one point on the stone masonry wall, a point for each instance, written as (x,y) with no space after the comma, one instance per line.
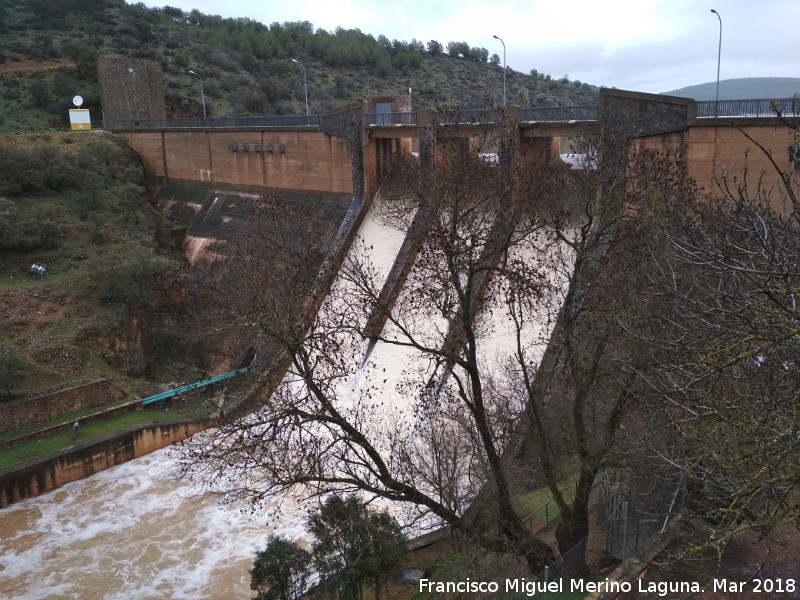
(348,124)
(131,88)
(42,408)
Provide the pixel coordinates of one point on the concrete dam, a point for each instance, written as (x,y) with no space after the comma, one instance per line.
(147,535)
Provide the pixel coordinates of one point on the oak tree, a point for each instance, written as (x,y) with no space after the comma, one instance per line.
(280,570)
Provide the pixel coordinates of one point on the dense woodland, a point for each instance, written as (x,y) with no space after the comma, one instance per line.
(246,66)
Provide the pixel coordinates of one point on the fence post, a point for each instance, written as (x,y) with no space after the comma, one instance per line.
(546,514)
(624,532)
(546,579)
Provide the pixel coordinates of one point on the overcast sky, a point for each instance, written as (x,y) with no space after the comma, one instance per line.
(641,45)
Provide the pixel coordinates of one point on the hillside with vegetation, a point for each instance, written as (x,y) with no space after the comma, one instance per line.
(74,204)
(49,52)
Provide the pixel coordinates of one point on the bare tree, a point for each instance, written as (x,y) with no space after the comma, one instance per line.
(502,253)
(676,344)
(594,372)
(335,424)
(731,274)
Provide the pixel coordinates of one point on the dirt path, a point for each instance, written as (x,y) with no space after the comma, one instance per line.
(27,65)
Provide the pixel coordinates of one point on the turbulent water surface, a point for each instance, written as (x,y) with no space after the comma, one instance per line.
(132,532)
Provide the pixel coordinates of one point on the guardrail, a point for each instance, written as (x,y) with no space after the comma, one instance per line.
(466,116)
(216,123)
(389,119)
(748,108)
(558,114)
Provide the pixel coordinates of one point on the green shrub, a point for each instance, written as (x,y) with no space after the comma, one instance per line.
(22,230)
(127,279)
(280,570)
(12,368)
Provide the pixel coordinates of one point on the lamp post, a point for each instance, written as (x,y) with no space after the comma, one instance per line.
(202,94)
(305,85)
(719,58)
(504,68)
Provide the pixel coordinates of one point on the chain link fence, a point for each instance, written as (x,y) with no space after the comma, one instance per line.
(630,528)
(570,565)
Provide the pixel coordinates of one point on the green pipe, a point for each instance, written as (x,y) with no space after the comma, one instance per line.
(191,386)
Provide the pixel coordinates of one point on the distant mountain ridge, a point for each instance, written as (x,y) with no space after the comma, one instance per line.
(746,88)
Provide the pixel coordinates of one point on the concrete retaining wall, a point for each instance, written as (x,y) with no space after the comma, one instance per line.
(32,411)
(45,474)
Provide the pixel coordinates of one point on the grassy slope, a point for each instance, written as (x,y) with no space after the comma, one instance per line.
(65,439)
(61,324)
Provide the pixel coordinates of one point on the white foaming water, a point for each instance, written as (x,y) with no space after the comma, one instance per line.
(383,241)
(133,532)
(195,246)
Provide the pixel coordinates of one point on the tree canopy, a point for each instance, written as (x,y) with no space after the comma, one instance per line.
(280,570)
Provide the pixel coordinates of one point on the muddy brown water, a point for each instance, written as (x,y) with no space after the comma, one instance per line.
(132,531)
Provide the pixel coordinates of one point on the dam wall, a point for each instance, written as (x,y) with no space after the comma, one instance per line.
(265,158)
(84,459)
(711,150)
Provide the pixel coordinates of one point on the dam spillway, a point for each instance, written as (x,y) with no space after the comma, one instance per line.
(136,531)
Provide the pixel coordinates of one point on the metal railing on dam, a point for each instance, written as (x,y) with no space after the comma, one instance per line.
(558,114)
(748,108)
(486,116)
(389,119)
(466,116)
(760,108)
(215,123)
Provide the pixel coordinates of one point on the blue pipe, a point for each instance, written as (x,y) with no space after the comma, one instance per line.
(191,386)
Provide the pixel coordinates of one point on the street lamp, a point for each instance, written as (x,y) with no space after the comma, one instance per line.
(719,57)
(202,94)
(504,68)
(305,85)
